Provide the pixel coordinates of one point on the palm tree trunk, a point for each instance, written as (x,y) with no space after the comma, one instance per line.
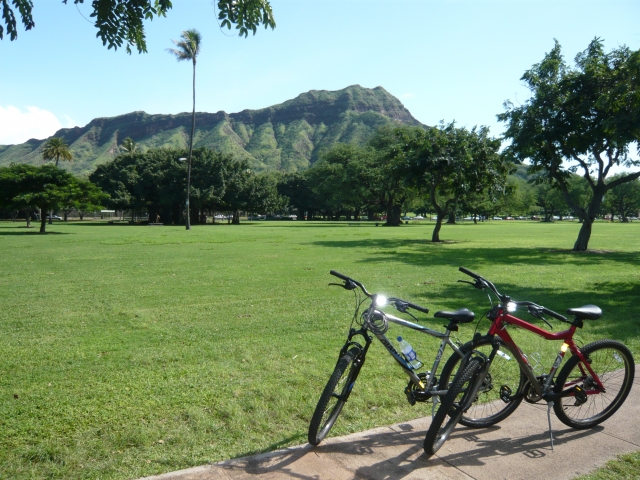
(193,128)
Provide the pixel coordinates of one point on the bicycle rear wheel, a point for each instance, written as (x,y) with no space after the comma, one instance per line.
(334,396)
(613,363)
(489,409)
(453,404)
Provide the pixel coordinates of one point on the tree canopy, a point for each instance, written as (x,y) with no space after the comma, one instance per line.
(121,22)
(579,119)
(45,187)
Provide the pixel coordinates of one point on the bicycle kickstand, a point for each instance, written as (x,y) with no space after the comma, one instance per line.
(436,401)
(550,405)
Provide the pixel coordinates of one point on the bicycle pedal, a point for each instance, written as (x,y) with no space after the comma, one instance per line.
(580,395)
(410,397)
(505,393)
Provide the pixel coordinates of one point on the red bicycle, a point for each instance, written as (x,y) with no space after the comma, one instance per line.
(590,387)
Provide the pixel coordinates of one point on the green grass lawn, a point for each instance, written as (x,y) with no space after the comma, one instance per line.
(130,351)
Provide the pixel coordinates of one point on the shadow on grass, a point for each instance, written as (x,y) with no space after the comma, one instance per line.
(425,253)
(33,232)
(616,299)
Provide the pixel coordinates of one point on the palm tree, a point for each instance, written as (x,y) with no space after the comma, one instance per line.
(56,148)
(128,145)
(188,48)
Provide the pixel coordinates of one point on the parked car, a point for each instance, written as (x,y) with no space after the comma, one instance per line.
(497,218)
(508,218)
(418,217)
(53,217)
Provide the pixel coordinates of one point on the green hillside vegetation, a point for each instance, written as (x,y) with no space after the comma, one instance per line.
(287,137)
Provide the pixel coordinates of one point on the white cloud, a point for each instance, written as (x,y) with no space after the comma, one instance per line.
(18,126)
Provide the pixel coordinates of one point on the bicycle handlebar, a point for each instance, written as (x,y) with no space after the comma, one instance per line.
(535,309)
(402,305)
(398,303)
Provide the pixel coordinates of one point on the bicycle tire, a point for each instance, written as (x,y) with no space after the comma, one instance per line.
(613,362)
(489,408)
(332,399)
(453,401)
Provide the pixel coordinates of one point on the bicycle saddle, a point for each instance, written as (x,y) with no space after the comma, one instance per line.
(587,312)
(464,315)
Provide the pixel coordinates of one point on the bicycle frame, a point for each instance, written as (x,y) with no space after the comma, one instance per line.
(398,357)
(498,328)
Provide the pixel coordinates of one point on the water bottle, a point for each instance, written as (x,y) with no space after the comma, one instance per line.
(409,354)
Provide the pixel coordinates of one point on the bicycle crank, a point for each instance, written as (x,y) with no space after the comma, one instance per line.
(415,394)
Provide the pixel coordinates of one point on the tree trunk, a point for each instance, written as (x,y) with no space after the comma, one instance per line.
(452,213)
(588,218)
(393,215)
(236,217)
(193,129)
(583,237)
(43,224)
(28,215)
(435,236)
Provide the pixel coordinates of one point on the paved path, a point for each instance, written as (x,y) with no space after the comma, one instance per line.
(517,448)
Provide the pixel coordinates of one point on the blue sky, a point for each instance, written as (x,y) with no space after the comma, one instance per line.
(445,60)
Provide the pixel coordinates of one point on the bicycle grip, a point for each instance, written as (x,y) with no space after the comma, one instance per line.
(416,307)
(553,314)
(339,275)
(470,273)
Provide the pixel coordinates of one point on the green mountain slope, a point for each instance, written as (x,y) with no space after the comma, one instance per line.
(285,137)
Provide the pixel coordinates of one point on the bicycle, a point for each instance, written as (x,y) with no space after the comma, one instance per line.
(421,386)
(577,394)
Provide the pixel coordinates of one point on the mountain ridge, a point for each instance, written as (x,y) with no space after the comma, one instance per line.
(288,136)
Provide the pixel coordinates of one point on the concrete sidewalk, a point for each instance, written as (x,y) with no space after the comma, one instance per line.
(517,448)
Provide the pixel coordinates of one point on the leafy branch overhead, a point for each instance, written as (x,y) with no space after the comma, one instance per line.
(121,22)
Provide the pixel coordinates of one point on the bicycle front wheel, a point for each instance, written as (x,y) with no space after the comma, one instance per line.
(334,396)
(453,404)
(613,363)
(489,408)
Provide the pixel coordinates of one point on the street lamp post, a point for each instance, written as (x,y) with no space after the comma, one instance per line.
(182,159)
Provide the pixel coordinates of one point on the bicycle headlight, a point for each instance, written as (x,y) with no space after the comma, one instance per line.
(381,300)
(511,307)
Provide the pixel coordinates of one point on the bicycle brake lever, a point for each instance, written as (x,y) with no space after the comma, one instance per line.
(401,306)
(345,285)
(479,284)
(546,321)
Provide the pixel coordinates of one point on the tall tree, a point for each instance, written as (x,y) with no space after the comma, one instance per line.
(385,173)
(128,145)
(45,187)
(120,21)
(188,49)
(581,119)
(56,149)
(450,164)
